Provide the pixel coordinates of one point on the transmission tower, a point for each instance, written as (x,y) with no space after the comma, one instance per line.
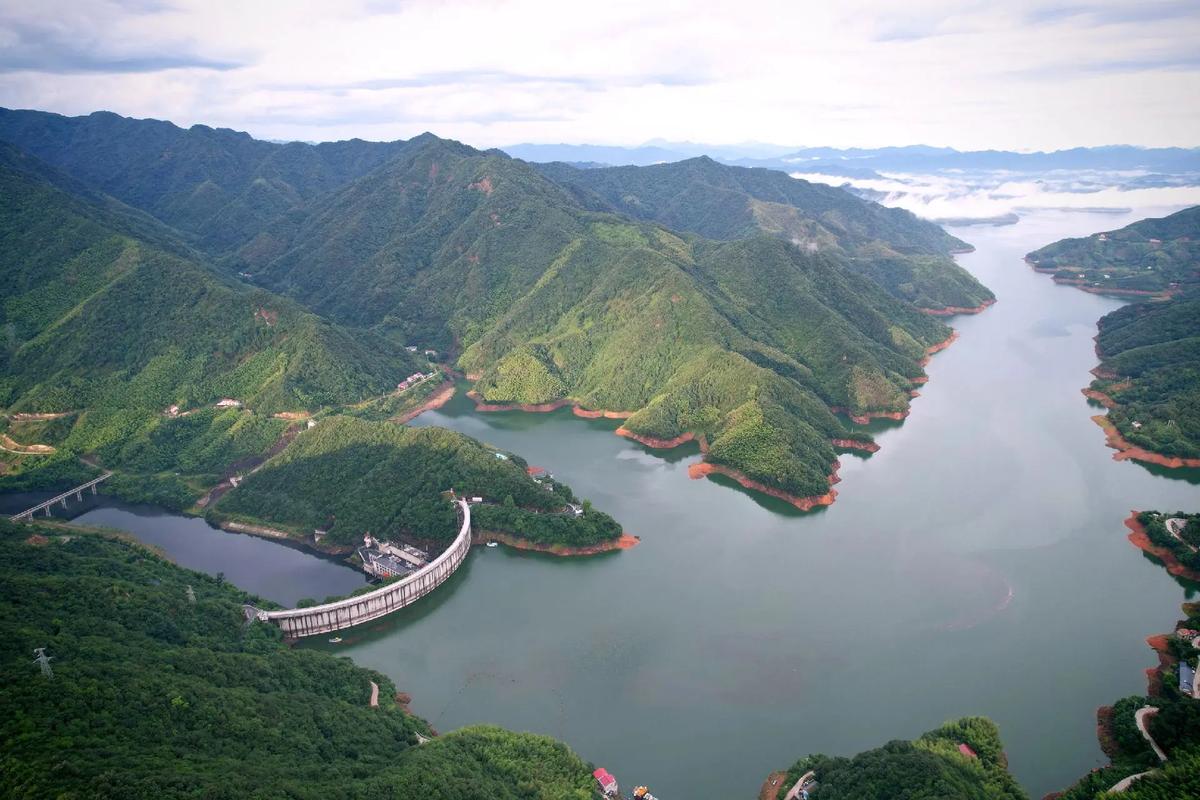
(43,660)
(191,594)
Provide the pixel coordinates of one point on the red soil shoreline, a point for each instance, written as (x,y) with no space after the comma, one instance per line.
(855,444)
(1125,450)
(950,311)
(439,398)
(652,441)
(625,542)
(867,416)
(703,468)
(937,348)
(542,408)
(1141,540)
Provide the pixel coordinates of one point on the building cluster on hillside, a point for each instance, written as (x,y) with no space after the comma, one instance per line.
(390,559)
(413,380)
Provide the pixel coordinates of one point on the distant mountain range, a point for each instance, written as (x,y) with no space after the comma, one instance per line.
(867,162)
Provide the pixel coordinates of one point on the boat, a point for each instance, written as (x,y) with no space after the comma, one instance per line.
(335,640)
(493,544)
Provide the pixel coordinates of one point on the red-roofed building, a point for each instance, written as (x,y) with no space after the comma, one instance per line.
(967,751)
(608,784)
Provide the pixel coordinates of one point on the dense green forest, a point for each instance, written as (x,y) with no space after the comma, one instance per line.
(110,318)
(929,768)
(1150,360)
(154,694)
(540,292)
(217,186)
(353,476)
(1148,256)
(907,256)
(1185,546)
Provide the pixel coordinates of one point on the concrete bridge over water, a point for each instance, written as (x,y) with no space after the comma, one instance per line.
(356,610)
(62,498)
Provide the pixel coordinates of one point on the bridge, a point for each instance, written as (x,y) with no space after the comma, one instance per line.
(62,498)
(356,610)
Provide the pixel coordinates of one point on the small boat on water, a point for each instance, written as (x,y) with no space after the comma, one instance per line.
(493,544)
(335,640)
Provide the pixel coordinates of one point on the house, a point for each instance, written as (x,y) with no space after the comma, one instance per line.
(1187,677)
(966,750)
(539,474)
(608,784)
(229,402)
(501,456)
(431,353)
(574,510)
(172,411)
(411,349)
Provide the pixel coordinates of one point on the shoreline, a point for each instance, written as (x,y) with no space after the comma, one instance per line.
(624,542)
(438,398)
(702,469)
(1141,540)
(1127,451)
(544,408)
(1082,285)
(855,444)
(950,311)
(658,444)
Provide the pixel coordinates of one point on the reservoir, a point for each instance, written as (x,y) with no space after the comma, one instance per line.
(977,564)
(275,570)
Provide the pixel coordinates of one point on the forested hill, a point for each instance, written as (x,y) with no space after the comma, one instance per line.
(1152,256)
(218,185)
(107,318)
(1150,369)
(906,255)
(352,476)
(749,342)
(929,768)
(161,689)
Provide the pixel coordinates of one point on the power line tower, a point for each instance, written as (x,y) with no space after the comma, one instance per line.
(43,660)
(191,594)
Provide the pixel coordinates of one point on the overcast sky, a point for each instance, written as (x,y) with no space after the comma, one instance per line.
(1030,75)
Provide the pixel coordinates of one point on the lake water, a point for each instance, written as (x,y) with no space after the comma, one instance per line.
(976,565)
(267,568)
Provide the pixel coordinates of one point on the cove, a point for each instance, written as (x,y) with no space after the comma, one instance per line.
(268,568)
(977,564)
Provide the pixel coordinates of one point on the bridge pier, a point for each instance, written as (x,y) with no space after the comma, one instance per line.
(79,496)
(93,489)
(48,509)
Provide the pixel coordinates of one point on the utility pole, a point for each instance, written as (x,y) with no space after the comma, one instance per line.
(44,661)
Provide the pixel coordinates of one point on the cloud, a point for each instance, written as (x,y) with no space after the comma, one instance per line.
(56,49)
(975,74)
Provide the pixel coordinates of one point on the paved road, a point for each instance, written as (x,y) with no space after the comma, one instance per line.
(1139,717)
